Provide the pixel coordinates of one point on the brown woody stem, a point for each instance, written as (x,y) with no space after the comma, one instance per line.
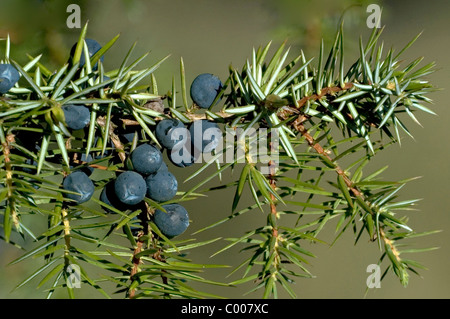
(298,125)
(139,246)
(325,91)
(66,224)
(10,138)
(135,268)
(273,207)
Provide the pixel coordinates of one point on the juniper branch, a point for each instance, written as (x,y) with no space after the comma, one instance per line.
(298,125)
(268,95)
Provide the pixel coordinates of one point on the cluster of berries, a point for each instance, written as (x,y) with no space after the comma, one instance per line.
(150,178)
(185,144)
(148,175)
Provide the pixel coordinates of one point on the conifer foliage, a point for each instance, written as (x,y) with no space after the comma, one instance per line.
(70,143)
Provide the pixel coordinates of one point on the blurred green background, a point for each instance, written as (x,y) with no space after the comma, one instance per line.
(210,35)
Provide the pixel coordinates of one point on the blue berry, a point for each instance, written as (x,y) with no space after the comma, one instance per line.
(8,77)
(108,196)
(130,188)
(146,159)
(162,168)
(80,183)
(204,89)
(174,221)
(161,186)
(168,132)
(93,47)
(183,155)
(205,135)
(77,116)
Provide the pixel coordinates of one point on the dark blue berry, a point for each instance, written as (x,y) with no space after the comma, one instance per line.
(146,159)
(108,196)
(93,47)
(161,186)
(8,77)
(174,221)
(183,154)
(168,132)
(204,89)
(80,183)
(205,135)
(162,168)
(130,188)
(77,116)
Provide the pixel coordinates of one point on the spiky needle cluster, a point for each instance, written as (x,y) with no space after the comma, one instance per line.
(322,115)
